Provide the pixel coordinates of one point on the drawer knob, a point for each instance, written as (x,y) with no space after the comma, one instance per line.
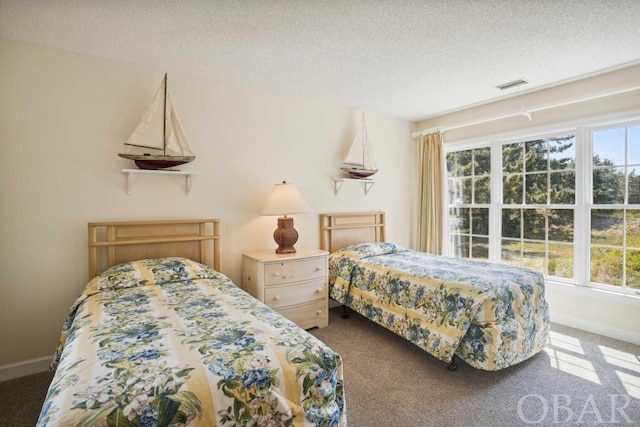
(318,269)
(318,290)
(319,312)
(276,274)
(277,298)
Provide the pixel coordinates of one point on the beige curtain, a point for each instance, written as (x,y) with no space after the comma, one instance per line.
(430,197)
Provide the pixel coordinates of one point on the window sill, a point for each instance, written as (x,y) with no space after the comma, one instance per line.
(616,297)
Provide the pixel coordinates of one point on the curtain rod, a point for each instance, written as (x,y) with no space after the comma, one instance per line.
(527,112)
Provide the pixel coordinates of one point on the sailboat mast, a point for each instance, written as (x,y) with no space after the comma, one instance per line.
(164,119)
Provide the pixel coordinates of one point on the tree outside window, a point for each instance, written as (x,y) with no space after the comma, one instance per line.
(538,205)
(538,192)
(615,223)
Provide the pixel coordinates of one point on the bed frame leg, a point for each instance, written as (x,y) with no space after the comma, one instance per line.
(345,315)
(452,365)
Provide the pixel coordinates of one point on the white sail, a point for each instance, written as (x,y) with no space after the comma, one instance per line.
(360,156)
(158,137)
(177,143)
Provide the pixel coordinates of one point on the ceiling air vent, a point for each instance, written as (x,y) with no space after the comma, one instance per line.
(514,83)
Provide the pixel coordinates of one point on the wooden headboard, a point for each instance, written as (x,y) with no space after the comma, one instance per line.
(111,243)
(338,230)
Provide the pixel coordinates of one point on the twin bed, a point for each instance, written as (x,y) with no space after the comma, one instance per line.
(160,338)
(490,315)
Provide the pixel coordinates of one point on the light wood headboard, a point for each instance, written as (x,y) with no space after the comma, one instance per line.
(111,243)
(338,230)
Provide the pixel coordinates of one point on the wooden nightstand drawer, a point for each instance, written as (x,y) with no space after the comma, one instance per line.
(276,273)
(309,315)
(300,293)
(295,285)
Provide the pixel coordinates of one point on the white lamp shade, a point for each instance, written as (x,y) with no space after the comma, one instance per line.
(285,199)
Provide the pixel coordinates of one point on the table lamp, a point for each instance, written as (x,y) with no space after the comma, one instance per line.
(285,199)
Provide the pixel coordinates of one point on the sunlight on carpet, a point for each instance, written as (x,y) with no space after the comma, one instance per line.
(631,383)
(568,355)
(565,342)
(630,363)
(620,358)
(559,357)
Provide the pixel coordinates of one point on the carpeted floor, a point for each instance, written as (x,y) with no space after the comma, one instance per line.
(21,399)
(390,382)
(581,379)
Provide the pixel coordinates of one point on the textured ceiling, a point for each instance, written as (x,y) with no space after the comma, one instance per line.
(406,59)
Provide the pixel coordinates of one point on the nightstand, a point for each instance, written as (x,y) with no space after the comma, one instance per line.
(295,285)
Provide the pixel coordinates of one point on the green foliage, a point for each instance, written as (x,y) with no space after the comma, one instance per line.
(634,187)
(512,158)
(542,172)
(480,221)
(512,189)
(606,266)
(469,176)
(608,182)
(539,165)
(633,269)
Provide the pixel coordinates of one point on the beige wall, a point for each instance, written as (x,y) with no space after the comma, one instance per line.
(63,118)
(585,308)
(616,80)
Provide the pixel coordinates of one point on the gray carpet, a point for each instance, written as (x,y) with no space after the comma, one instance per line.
(390,382)
(21,399)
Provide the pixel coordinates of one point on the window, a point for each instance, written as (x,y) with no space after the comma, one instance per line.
(469,189)
(615,217)
(538,194)
(566,204)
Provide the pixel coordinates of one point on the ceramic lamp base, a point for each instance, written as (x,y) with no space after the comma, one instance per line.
(285,236)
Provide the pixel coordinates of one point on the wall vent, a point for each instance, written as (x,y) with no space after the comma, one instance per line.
(514,83)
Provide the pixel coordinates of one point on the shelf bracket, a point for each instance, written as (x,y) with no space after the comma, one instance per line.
(129,182)
(367,184)
(189,182)
(367,187)
(131,172)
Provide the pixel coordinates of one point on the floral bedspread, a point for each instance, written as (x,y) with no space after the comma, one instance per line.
(491,315)
(170,342)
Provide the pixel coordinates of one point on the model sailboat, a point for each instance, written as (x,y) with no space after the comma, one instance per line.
(159,141)
(360,163)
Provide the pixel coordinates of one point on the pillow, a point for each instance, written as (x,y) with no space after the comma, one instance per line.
(365,250)
(146,272)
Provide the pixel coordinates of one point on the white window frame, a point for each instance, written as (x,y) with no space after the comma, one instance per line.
(583,196)
(579,182)
(446,248)
(589,130)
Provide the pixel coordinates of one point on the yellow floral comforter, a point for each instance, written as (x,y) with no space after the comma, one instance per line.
(170,342)
(491,315)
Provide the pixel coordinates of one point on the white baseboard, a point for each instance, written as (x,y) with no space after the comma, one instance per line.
(27,367)
(596,328)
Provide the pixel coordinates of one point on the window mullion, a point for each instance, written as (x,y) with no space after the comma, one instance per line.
(590,139)
(582,212)
(495,212)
